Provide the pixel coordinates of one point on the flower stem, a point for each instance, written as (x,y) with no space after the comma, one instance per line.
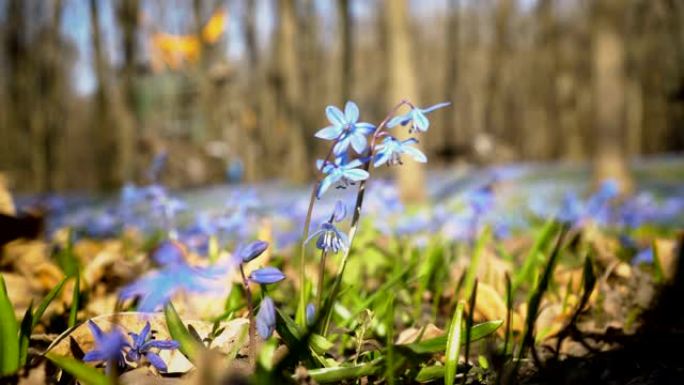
(356,217)
(252,324)
(321,280)
(300,316)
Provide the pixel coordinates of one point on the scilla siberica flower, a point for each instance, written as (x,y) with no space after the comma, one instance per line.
(143,345)
(417,117)
(346,129)
(390,150)
(330,238)
(340,171)
(109,347)
(266,318)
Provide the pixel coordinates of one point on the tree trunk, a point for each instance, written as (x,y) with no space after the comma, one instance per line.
(403,85)
(609,94)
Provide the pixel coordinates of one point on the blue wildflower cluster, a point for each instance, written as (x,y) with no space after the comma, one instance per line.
(346,131)
(114,348)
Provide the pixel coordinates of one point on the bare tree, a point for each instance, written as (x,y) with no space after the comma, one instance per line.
(609,93)
(403,85)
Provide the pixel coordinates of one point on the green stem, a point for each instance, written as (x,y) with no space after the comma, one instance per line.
(252,324)
(356,217)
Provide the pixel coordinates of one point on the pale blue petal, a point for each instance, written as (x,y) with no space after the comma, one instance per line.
(325,185)
(353,164)
(435,107)
(397,120)
(358,143)
(356,174)
(335,116)
(415,153)
(381,158)
(351,112)
(420,121)
(329,133)
(364,128)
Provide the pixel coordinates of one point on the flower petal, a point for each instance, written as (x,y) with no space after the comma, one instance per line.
(351,112)
(166,344)
(364,128)
(358,143)
(267,275)
(399,119)
(156,361)
(329,133)
(251,250)
(420,121)
(335,116)
(435,107)
(415,153)
(266,318)
(356,174)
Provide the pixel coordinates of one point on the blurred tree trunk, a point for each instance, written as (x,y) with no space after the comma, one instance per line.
(130,123)
(347,49)
(104,129)
(403,85)
(454,137)
(252,120)
(494,107)
(609,93)
(289,93)
(16,152)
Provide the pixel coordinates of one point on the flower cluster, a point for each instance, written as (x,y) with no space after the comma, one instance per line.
(114,347)
(346,131)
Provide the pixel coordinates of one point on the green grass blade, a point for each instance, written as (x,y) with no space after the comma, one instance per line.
(438,344)
(343,373)
(453,345)
(38,314)
(73,313)
(469,326)
(9,330)
(25,334)
(526,272)
(535,299)
(188,344)
(83,373)
(471,273)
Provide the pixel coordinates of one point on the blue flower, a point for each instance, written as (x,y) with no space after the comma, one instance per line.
(310,313)
(266,275)
(346,129)
(330,238)
(266,318)
(643,256)
(157,287)
(142,345)
(109,347)
(250,251)
(168,253)
(417,116)
(340,172)
(157,166)
(390,151)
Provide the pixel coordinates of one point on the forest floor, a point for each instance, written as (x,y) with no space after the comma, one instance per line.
(594,298)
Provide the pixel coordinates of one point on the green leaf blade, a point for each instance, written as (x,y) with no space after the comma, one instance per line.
(453,345)
(82,372)
(9,331)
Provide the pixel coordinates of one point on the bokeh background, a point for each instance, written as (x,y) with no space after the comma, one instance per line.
(233,90)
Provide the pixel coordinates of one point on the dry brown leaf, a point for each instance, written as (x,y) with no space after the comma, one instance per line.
(490,306)
(410,335)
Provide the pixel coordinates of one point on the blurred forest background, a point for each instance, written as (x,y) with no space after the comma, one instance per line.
(92,90)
